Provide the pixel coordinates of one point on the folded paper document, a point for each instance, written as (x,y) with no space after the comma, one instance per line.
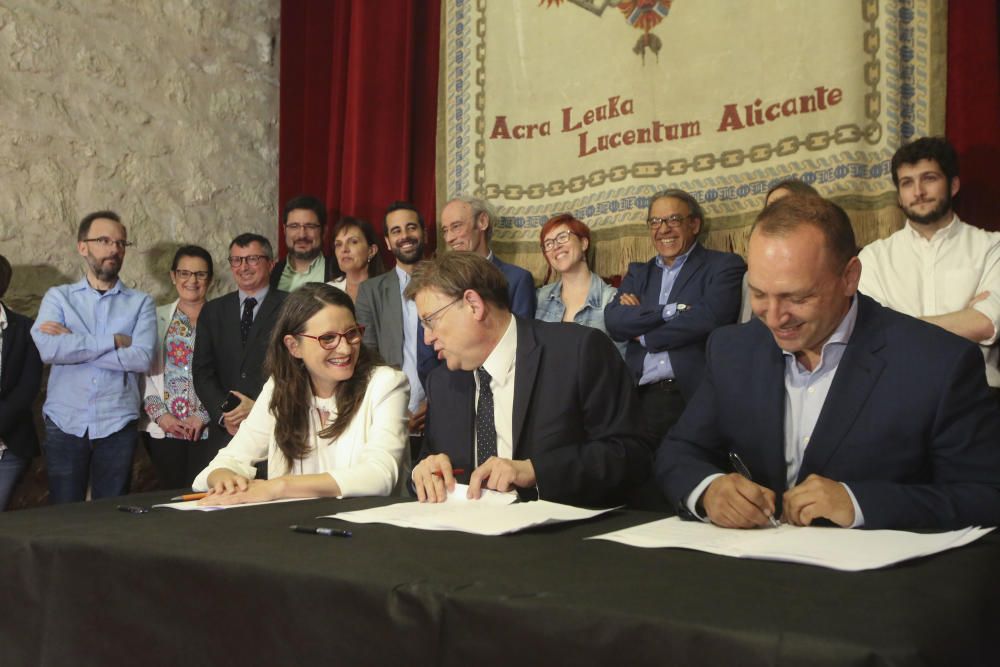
(836,548)
(492,514)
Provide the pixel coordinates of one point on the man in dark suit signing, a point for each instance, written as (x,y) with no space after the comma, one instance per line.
(544,408)
(667,307)
(839,409)
(232,338)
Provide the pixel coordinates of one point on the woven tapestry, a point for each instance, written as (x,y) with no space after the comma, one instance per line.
(592,106)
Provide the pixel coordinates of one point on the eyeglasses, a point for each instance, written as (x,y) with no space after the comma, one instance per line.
(331,340)
(562,238)
(672,222)
(252,260)
(184,274)
(107,242)
(308,226)
(430,321)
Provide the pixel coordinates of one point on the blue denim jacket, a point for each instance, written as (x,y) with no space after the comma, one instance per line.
(551,307)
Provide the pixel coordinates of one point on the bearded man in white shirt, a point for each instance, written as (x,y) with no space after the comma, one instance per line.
(937,268)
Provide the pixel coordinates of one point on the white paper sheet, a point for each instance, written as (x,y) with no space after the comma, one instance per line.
(835,548)
(193,506)
(493,514)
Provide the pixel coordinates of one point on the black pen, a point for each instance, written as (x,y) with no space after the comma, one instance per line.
(742,469)
(132,509)
(313,530)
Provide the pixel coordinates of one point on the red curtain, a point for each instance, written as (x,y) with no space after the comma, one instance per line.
(358,105)
(973,116)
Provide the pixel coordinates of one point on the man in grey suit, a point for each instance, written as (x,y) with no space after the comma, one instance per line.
(233,333)
(391,324)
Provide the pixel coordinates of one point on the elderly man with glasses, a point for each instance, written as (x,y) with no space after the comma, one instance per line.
(233,332)
(666,307)
(98,335)
(543,408)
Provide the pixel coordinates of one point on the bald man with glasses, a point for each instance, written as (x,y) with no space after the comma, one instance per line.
(233,332)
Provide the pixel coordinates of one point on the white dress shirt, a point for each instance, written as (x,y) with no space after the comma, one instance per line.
(500,365)
(927,277)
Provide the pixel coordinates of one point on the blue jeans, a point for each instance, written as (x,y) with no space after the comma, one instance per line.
(73,461)
(11,467)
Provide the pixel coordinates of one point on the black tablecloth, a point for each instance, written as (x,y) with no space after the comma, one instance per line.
(85,584)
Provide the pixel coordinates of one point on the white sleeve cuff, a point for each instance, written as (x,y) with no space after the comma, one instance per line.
(859,516)
(691,502)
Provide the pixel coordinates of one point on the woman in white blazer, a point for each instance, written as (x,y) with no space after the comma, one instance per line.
(175,418)
(331,419)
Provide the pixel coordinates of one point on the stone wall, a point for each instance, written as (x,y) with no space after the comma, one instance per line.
(165,111)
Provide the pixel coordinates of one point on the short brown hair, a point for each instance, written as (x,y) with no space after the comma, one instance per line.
(693,206)
(454,272)
(789,213)
(794,186)
(83,231)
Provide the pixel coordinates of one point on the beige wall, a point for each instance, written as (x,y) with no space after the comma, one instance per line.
(165,111)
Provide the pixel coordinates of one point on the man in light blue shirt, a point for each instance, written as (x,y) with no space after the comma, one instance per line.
(98,335)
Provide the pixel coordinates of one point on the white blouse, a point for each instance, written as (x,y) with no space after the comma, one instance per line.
(364,460)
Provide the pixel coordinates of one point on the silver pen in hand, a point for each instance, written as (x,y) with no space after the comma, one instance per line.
(742,469)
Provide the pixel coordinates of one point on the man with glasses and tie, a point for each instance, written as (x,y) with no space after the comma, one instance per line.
(98,335)
(233,332)
(544,408)
(666,307)
(304,220)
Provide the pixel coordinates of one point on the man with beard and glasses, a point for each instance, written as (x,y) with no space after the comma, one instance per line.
(937,267)
(390,320)
(98,335)
(304,220)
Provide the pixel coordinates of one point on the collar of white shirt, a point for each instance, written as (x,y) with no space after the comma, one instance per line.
(500,363)
(945,232)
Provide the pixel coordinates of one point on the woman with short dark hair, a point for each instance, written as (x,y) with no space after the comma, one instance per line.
(356,248)
(176,420)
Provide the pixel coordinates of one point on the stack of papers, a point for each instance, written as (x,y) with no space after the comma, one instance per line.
(492,514)
(835,548)
(193,506)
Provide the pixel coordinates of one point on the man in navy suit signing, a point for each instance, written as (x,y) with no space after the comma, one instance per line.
(666,307)
(467,224)
(839,409)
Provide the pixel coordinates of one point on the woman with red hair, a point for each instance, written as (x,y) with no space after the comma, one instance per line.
(578,295)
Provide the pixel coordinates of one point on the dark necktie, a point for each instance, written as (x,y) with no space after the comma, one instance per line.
(247,320)
(486,430)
